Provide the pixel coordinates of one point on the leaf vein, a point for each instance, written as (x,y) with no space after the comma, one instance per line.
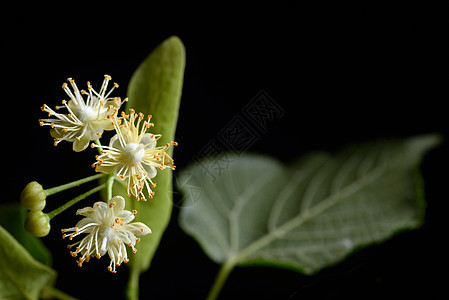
(315,210)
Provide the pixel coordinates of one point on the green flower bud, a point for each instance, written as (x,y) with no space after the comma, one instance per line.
(33,196)
(37,223)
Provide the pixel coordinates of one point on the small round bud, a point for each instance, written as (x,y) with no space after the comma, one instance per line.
(37,223)
(33,196)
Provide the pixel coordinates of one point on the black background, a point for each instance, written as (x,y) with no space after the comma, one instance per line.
(341,74)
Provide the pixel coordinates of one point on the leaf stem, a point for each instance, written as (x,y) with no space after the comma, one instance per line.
(221,278)
(69,185)
(63,207)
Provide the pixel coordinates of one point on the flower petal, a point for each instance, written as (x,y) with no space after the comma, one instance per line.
(84,221)
(152,172)
(127,237)
(101,209)
(120,169)
(137,228)
(81,144)
(127,215)
(115,143)
(148,141)
(86,211)
(104,169)
(119,204)
(168,161)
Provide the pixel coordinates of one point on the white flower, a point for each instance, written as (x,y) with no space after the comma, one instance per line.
(86,119)
(132,154)
(109,228)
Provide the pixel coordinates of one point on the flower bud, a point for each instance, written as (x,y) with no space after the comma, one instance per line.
(37,223)
(33,196)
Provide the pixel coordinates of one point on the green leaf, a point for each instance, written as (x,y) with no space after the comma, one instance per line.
(21,276)
(309,215)
(12,218)
(155,88)
(156,85)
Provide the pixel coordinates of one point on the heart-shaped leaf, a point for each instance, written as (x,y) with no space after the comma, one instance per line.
(21,276)
(307,216)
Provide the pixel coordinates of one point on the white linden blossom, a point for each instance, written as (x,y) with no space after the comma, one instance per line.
(132,154)
(109,228)
(86,119)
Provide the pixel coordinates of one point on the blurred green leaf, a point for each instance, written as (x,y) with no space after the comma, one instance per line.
(155,88)
(21,276)
(309,215)
(12,218)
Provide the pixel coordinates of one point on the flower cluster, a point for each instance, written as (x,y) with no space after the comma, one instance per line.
(109,228)
(132,156)
(86,118)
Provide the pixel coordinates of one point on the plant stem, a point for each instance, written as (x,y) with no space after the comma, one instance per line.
(99,148)
(69,185)
(132,291)
(51,292)
(63,207)
(121,182)
(221,278)
(109,185)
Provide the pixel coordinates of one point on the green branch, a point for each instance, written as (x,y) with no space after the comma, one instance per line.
(69,185)
(63,207)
